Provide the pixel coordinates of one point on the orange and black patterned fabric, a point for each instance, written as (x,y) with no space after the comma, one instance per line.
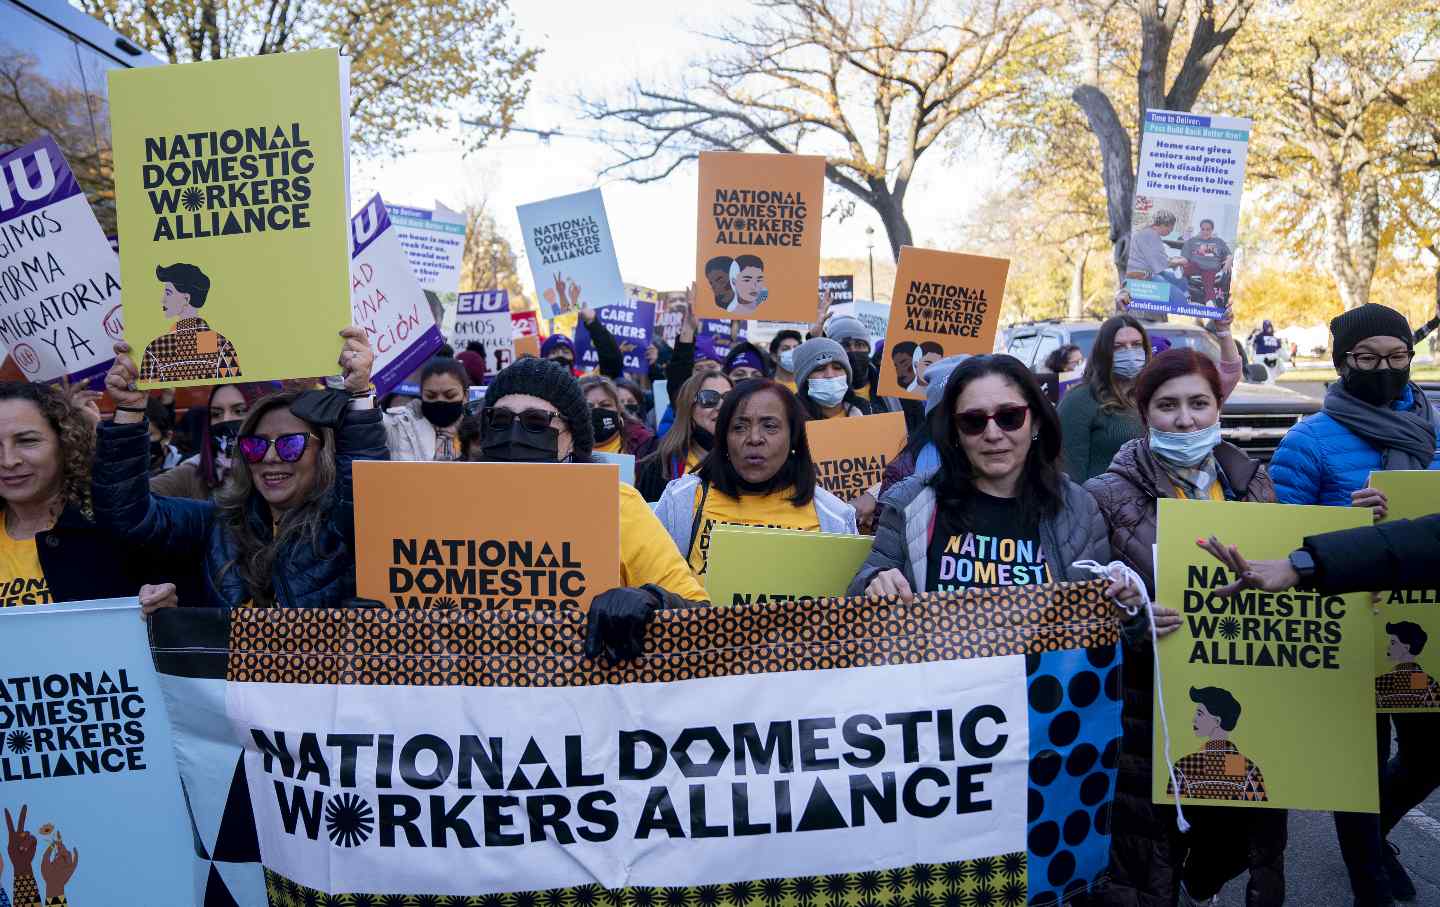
(1406,687)
(190,351)
(1219,771)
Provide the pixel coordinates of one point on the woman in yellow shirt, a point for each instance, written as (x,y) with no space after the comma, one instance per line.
(616,431)
(51,549)
(534,413)
(689,438)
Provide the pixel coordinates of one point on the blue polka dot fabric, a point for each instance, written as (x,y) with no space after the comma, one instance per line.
(1074,744)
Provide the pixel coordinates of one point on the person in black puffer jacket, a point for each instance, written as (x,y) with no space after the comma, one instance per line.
(281,531)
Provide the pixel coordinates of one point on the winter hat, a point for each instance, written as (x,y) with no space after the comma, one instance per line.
(816,352)
(936,376)
(1369,320)
(554,342)
(845,327)
(474,365)
(746,355)
(705,349)
(552,383)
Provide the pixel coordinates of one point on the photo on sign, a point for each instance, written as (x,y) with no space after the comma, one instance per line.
(1182,252)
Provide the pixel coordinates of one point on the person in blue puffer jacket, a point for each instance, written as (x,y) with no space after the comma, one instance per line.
(1374,418)
(280,532)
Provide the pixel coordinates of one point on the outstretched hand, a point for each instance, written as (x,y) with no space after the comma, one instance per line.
(1269,576)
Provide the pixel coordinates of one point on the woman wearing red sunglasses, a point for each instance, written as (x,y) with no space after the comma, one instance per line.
(280,531)
(999,511)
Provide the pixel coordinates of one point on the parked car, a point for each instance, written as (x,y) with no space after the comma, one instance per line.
(1254,418)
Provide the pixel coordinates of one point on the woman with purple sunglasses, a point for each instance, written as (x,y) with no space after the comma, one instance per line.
(280,531)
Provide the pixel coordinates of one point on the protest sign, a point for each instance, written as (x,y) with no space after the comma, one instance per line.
(932,750)
(485,318)
(944,303)
(758,248)
(626,463)
(87,761)
(60,288)
(386,301)
(632,323)
(660,391)
(525,324)
(851,454)
(841,288)
(230,189)
(434,244)
(417,544)
(527,345)
(1187,212)
(1405,663)
(572,259)
(875,316)
(756,565)
(1243,673)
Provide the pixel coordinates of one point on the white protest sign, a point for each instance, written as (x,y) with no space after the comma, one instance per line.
(386,300)
(484,318)
(59,275)
(434,243)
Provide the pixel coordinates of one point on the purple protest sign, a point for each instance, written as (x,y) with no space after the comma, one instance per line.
(386,299)
(632,323)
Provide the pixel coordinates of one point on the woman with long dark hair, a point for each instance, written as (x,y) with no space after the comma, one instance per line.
(759,473)
(200,475)
(999,476)
(1098,415)
(280,532)
(690,437)
(616,430)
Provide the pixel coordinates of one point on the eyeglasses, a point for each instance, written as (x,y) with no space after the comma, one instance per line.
(709,399)
(1366,362)
(973,422)
(288,448)
(534,421)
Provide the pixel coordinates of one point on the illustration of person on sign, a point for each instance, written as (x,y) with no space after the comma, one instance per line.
(191,350)
(1406,685)
(747,280)
(1219,771)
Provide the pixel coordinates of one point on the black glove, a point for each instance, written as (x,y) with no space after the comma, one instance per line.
(325,408)
(615,626)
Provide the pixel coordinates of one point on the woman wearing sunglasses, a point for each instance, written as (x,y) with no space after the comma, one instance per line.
(201,475)
(689,439)
(759,474)
(281,531)
(999,511)
(534,413)
(1180,457)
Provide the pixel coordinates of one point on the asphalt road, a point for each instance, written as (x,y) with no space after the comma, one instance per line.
(1315,875)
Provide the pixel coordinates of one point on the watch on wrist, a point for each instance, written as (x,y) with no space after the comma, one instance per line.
(1304,566)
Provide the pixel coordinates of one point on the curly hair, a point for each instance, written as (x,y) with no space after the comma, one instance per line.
(74,432)
(255,558)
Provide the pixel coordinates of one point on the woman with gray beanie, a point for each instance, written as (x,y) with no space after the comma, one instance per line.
(824,378)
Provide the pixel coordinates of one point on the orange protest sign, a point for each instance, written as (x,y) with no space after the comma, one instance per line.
(944,303)
(528,345)
(758,249)
(486,535)
(851,454)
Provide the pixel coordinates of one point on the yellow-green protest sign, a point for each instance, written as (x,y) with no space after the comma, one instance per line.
(1267,695)
(230,185)
(753,564)
(1406,665)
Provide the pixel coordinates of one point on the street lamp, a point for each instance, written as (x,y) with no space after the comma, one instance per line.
(870,250)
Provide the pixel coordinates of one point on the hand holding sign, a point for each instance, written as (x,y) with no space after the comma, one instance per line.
(356,358)
(120,384)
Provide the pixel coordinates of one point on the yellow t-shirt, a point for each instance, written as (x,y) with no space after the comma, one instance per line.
(692,459)
(648,554)
(773,511)
(22,581)
(611,446)
(790,384)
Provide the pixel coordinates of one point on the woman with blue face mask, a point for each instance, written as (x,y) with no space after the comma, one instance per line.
(1097,416)
(822,372)
(1179,455)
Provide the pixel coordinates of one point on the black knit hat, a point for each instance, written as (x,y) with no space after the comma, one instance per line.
(552,383)
(1369,320)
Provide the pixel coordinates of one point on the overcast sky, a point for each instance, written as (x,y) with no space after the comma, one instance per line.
(605,45)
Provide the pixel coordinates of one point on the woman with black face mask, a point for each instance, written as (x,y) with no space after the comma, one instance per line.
(200,476)
(428,428)
(534,412)
(616,431)
(690,437)
(1374,418)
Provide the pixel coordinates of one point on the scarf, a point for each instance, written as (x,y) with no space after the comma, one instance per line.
(1193,481)
(1406,437)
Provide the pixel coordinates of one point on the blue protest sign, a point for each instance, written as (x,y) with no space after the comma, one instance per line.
(632,323)
(567,241)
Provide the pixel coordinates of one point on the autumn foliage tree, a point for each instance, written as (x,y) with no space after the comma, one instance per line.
(411,61)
